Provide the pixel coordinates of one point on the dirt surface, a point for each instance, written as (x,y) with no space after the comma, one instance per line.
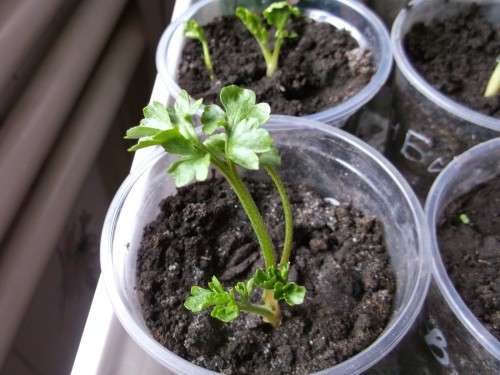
(339,256)
(321,67)
(471,252)
(457,56)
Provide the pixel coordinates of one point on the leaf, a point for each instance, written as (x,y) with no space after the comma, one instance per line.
(156,116)
(190,168)
(141,131)
(212,118)
(260,112)
(237,102)
(245,141)
(226,313)
(294,294)
(193,30)
(270,158)
(254,24)
(143,144)
(184,105)
(174,142)
(216,143)
(199,299)
(277,14)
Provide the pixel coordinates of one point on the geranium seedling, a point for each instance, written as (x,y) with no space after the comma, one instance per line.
(276,15)
(193,30)
(493,87)
(230,137)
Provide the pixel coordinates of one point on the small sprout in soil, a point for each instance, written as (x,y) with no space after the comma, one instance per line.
(276,15)
(230,137)
(464,219)
(193,30)
(493,87)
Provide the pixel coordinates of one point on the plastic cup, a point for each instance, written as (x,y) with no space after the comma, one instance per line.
(432,127)
(460,343)
(363,24)
(328,159)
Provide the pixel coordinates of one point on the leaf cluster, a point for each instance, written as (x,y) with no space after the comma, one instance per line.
(227,304)
(276,15)
(233,134)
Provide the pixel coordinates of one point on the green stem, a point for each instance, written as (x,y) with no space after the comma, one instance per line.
(272,66)
(287,212)
(261,310)
(208,60)
(268,57)
(493,87)
(251,210)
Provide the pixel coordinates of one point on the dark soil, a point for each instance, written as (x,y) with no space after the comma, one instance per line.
(457,56)
(339,256)
(322,67)
(471,252)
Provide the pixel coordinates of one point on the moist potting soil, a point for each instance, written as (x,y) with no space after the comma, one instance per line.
(319,68)
(469,241)
(457,56)
(339,256)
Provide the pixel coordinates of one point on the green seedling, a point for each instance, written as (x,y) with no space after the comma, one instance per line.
(230,137)
(276,15)
(493,87)
(464,219)
(193,30)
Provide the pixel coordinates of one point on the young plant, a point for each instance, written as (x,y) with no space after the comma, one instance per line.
(231,137)
(493,87)
(276,15)
(193,30)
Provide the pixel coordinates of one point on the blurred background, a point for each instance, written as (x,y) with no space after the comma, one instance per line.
(73,75)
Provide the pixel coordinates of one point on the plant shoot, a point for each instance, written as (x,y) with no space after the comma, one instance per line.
(193,30)
(276,15)
(493,87)
(231,137)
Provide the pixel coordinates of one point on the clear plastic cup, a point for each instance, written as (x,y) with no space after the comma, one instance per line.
(363,24)
(460,343)
(432,127)
(327,159)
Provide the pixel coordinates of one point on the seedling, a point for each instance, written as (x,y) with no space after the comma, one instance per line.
(493,87)
(276,15)
(464,219)
(193,30)
(231,137)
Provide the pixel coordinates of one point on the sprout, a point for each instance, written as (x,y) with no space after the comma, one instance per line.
(493,87)
(276,15)
(232,136)
(194,31)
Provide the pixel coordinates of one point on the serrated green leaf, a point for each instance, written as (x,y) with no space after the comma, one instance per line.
(260,112)
(156,116)
(190,168)
(141,131)
(294,294)
(270,158)
(277,14)
(212,118)
(216,285)
(253,23)
(238,103)
(143,143)
(245,142)
(241,288)
(216,143)
(192,29)
(175,143)
(227,313)
(199,299)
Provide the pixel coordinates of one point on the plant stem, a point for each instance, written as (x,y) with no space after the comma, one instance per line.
(252,212)
(263,311)
(493,87)
(268,58)
(287,212)
(272,66)
(208,60)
